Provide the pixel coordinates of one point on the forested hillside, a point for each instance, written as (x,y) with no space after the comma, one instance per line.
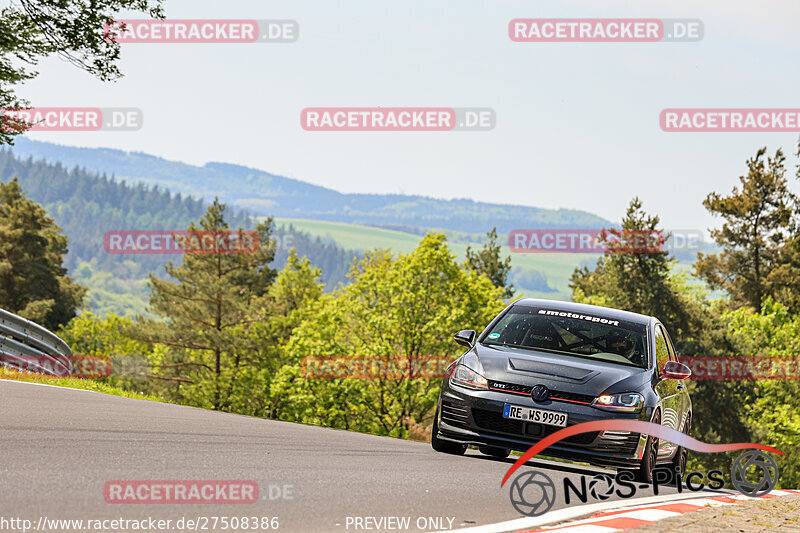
(87,205)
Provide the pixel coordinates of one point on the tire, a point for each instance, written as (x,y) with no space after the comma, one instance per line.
(682,455)
(679,464)
(500,453)
(648,463)
(444,446)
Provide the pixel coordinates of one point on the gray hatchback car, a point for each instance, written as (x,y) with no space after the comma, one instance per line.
(543,365)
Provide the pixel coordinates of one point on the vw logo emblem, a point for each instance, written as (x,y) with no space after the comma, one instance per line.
(540,393)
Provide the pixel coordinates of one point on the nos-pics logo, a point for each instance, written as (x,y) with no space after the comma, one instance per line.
(533,493)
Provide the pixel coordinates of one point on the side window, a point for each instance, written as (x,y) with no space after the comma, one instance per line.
(662,351)
(672,353)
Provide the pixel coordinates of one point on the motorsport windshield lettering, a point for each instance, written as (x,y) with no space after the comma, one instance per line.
(579,317)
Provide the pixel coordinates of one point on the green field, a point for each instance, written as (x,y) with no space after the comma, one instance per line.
(353,237)
(556,268)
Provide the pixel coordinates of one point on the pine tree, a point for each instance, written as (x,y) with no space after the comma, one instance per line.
(33,282)
(634,274)
(207,311)
(758,223)
(487,261)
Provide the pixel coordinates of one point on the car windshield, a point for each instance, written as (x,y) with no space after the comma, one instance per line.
(591,336)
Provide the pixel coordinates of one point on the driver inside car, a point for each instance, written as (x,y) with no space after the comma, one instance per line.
(619,344)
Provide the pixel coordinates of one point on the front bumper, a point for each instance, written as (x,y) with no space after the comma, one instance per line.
(476,417)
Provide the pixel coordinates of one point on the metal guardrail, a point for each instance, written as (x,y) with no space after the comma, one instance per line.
(24,344)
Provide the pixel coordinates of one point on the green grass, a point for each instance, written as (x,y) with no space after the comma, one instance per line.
(82,384)
(557,268)
(354,237)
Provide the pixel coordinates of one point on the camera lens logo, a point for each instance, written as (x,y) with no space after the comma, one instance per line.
(532,493)
(766,472)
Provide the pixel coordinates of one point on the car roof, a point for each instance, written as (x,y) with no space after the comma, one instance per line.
(572,307)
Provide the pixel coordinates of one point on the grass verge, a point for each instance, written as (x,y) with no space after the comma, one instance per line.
(74,383)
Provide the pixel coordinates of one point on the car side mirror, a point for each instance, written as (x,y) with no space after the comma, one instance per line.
(465,337)
(676,370)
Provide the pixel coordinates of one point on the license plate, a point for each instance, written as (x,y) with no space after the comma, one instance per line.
(540,416)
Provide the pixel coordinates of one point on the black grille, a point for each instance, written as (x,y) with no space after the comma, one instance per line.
(581,438)
(534,430)
(570,396)
(455,415)
(493,421)
(526,390)
(510,387)
(626,447)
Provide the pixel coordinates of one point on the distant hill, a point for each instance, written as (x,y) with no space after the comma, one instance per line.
(267,194)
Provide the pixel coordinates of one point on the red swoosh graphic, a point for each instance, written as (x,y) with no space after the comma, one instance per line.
(634,426)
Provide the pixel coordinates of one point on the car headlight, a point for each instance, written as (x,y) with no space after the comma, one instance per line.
(466,377)
(627,402)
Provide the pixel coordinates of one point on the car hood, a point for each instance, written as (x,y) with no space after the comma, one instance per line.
(558,372)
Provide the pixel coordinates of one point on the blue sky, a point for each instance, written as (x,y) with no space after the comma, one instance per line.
(577,123)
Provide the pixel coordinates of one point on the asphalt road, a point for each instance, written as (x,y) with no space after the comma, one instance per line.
(61,446)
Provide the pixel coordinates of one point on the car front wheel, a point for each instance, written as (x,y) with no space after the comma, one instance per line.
(682,455)
(648,463)
(444,446)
